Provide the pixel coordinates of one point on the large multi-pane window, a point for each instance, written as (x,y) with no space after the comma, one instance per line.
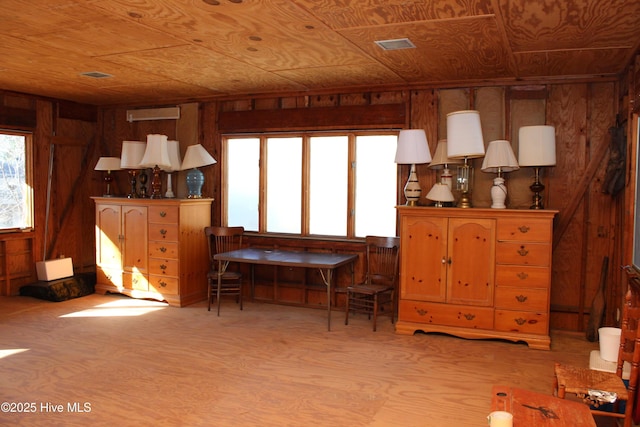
(312,184)
(16,195)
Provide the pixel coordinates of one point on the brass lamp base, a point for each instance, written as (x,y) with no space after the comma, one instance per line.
(465,200)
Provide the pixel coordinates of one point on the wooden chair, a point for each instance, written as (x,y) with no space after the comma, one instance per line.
(578,381)
(223,239)
(381,279)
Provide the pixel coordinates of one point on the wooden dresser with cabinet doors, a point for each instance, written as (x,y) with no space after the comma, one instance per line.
(476,273)
(153,248)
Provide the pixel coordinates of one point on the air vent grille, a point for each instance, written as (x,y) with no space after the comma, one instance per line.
(395,44)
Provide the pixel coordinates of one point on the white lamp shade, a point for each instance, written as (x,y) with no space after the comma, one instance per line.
(175,164)
(413,147)
(441,156)
(132,153)
(537,146)
(440,193)
(196,156)
(464,134)
(156,153)
(108,164)
(499,157)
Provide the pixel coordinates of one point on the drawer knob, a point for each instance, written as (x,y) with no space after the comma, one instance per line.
(522,251)
(520,321)
(163,267)
(163,214)
(522,275)
(521,298)
(162,284)
(163,249)
(163,232)
(523,228)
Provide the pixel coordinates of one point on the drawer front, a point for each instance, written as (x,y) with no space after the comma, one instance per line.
(108,276)
(523,299)
(524,229)
(526,322)
(446,314)
(168,250)
(135,281)
(163,267)
(523,253)
(163,232)
(163,214)
(523,276)
(163,284)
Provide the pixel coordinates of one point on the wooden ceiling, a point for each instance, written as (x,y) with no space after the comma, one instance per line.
(180,50)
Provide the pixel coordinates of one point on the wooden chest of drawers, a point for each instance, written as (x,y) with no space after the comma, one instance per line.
(499,289)
(153,248)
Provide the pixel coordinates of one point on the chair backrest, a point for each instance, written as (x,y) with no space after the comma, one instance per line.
(223,239)
(382,260)
(630,336)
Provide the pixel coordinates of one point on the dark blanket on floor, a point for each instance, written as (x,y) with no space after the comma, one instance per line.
(76,286)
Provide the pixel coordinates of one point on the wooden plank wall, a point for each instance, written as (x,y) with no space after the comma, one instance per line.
(588,226)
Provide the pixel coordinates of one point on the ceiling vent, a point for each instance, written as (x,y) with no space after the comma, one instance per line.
(395,44)
(96,75)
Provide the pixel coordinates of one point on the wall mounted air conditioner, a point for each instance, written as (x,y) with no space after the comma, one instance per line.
(168,113)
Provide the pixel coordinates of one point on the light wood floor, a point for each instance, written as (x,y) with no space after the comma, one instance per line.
(143,363)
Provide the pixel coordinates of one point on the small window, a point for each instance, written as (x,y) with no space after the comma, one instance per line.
(16,192)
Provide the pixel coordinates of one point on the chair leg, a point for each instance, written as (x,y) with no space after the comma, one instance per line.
(346,310)
(240,294)
(393,307)
(558,389)
(209,293)
(218,296)
(375,311)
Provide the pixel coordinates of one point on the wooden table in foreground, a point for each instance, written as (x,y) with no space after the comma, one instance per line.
(536,409)
(325,262)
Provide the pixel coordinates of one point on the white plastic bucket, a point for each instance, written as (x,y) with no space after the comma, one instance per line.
(609,343)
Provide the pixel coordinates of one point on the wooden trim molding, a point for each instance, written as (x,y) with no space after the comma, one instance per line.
(343,117)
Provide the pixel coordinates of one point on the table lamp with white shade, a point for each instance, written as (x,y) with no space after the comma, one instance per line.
(196,157)
(499,159)
(442,161)
(108,164)
(175,164)
(464,141)
(440,193)
(156,156)
(413,149)
(130,158)
(537,148)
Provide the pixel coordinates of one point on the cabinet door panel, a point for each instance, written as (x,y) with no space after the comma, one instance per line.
(134,249)
(108,234)
(472,255)
(423,259)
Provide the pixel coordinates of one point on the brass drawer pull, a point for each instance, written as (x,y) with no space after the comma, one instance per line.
(520,321)
(162,284)
(163,267)
(163,214)
(163,249)
(522,251)
(421,311)
(163,232)
(469,316)
(523,228)
(522,275)
(521,298)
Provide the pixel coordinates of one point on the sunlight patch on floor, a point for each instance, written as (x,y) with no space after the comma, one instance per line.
(120,308)
(11,351)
